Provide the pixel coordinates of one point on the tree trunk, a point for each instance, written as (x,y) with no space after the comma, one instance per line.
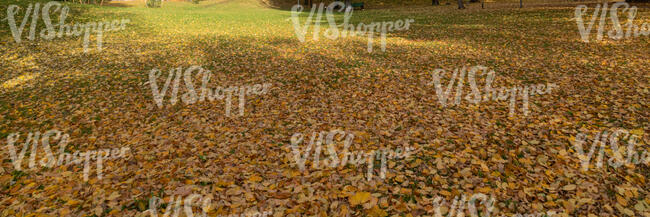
(460,4)
(473,1)
(435,2)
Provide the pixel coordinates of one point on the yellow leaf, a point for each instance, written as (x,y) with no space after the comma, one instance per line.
(254,178)
(359,198)
(377,212)
(485,190)
(113,196)
(72,202)
(621,200)
(638,132)
(569,187)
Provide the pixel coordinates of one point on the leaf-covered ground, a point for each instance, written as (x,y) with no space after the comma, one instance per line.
(102,99)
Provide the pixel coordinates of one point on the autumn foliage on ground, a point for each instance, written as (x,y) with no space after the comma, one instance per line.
(103,100)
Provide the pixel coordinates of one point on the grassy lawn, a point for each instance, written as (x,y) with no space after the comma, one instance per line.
(103,99)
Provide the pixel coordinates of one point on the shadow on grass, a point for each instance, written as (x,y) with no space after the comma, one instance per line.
(117,4)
